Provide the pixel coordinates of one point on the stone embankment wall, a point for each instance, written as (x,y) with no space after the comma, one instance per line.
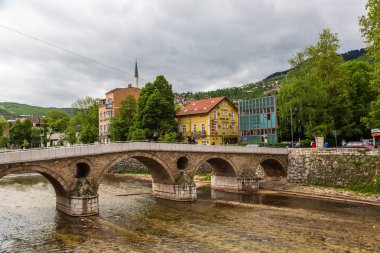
(333,166)
(129,165)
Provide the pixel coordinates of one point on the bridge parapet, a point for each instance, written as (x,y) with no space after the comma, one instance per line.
(19,156)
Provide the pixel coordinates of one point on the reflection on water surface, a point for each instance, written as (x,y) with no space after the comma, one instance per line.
(141,223)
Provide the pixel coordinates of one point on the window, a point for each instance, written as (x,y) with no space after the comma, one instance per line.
(183,128)
(232,116)
(194,127)
(233,128)
(203,129)
(225,113)
(215,116)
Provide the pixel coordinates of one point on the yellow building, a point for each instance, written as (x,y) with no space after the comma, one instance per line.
(211,121)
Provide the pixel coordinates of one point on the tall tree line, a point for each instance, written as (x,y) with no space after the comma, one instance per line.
(322,93)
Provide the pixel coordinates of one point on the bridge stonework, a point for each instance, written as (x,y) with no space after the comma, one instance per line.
(76,172)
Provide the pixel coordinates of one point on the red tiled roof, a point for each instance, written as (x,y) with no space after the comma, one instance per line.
(200,106)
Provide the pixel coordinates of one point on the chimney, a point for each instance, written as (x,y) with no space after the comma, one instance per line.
(129,85)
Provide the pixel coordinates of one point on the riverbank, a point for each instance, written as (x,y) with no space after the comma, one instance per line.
(283,187)
(322,192)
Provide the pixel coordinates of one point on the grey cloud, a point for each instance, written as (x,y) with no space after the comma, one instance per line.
(197,45)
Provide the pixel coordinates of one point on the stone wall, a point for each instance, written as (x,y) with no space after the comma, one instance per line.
(130,164)
(333,166)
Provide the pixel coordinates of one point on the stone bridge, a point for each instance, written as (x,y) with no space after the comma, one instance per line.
(76,172)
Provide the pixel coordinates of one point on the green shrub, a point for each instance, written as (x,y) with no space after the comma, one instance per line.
(171,137)
(138,171)
(120,169)
(305,143)
(137,135)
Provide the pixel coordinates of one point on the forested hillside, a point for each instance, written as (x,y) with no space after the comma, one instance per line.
(8,109)
(264,87)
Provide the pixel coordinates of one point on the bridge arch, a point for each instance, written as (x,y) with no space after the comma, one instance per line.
(159,169)
(59,184)
(82,168)
(221,166)
(271,167)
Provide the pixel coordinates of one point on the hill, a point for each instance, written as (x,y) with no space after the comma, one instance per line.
(24,109)
(353,55)
(5,114)
(262,88)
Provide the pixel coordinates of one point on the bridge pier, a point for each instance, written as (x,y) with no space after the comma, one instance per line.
(175,192)
(78,206)
(183,189)
(81,200)
(235,184)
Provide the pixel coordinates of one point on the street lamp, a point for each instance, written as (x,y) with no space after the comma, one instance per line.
(291,125)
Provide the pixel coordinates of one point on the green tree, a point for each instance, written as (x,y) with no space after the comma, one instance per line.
(119,127)
(361,94)
(35,137)
(156,110)
(315,93)
(137,135)
(58,120)
(44,125)
(370,28)
(20,132)
(3,138)
(85,120)
(25,143)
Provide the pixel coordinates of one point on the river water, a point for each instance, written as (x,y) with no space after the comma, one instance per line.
(132,220)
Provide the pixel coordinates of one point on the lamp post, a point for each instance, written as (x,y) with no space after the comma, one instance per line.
(291,125)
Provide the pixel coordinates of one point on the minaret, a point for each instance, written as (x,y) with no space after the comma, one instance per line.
(136,76)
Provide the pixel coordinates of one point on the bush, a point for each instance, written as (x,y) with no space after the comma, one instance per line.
(120,169)
(305,143)
(171,137)
(137,135)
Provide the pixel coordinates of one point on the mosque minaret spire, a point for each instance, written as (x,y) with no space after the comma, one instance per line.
(136,75)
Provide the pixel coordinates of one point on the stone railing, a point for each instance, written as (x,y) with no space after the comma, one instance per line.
(29,155)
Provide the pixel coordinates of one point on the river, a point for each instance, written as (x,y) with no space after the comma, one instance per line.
(132,220)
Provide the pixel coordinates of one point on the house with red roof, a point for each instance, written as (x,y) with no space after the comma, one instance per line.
(209,121)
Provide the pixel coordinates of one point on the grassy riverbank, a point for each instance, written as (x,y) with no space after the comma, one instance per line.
(370,189)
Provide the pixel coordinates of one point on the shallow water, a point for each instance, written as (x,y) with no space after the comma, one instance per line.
(226,222)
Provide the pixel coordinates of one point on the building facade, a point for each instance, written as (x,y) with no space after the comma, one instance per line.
(258,120)
(110,107)
(209,121)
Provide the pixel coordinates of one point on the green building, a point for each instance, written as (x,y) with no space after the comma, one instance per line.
(258,120)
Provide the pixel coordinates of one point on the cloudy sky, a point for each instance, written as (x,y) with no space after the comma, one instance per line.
(196,44)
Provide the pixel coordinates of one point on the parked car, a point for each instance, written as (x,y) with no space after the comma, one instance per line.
(358,144)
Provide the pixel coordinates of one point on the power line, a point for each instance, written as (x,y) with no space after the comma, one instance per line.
(69,51)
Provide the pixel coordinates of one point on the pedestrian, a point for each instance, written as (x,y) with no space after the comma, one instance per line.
(313,144)
(344,142)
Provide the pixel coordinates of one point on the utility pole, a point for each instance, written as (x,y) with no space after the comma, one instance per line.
(291,125)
